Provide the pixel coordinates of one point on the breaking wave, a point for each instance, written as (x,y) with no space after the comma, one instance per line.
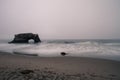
(95,49)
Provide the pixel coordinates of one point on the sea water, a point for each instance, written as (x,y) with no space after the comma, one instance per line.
(95,48)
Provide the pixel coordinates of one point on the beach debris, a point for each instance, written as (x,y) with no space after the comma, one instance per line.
(63,53)
(26,71)
(25,37)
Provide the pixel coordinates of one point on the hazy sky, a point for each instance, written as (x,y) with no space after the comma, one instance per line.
(61,19)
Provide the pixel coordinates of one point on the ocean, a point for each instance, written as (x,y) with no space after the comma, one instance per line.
(94,48)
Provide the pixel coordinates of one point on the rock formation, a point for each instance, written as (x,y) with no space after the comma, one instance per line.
(25,37)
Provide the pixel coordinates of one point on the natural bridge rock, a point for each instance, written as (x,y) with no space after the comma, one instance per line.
(25,37)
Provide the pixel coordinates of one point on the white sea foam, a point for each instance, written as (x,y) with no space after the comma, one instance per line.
(5,47)
(77,49)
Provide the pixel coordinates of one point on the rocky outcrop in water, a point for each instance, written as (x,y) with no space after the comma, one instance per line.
(25,37)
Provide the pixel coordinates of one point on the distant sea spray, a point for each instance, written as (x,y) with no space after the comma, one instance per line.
(105,49)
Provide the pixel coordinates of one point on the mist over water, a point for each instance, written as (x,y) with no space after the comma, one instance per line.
(61,19)
(104,49)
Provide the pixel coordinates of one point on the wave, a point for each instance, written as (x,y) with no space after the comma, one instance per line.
(113,44)
(5,47)
(76,49)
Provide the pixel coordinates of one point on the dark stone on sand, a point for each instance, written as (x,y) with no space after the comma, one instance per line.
(26,71)
(63,53)
(25,37)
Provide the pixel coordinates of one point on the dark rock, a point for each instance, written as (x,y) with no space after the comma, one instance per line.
(63,53)
(25,37)
(26,71)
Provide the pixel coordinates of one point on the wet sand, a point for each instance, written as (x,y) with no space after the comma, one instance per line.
(19,67)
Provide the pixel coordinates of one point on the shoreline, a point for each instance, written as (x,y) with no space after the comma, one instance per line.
(36,55)
(75,67)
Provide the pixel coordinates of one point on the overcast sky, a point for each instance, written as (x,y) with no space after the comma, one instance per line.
(61,19)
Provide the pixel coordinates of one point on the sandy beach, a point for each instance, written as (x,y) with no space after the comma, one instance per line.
(19,67)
